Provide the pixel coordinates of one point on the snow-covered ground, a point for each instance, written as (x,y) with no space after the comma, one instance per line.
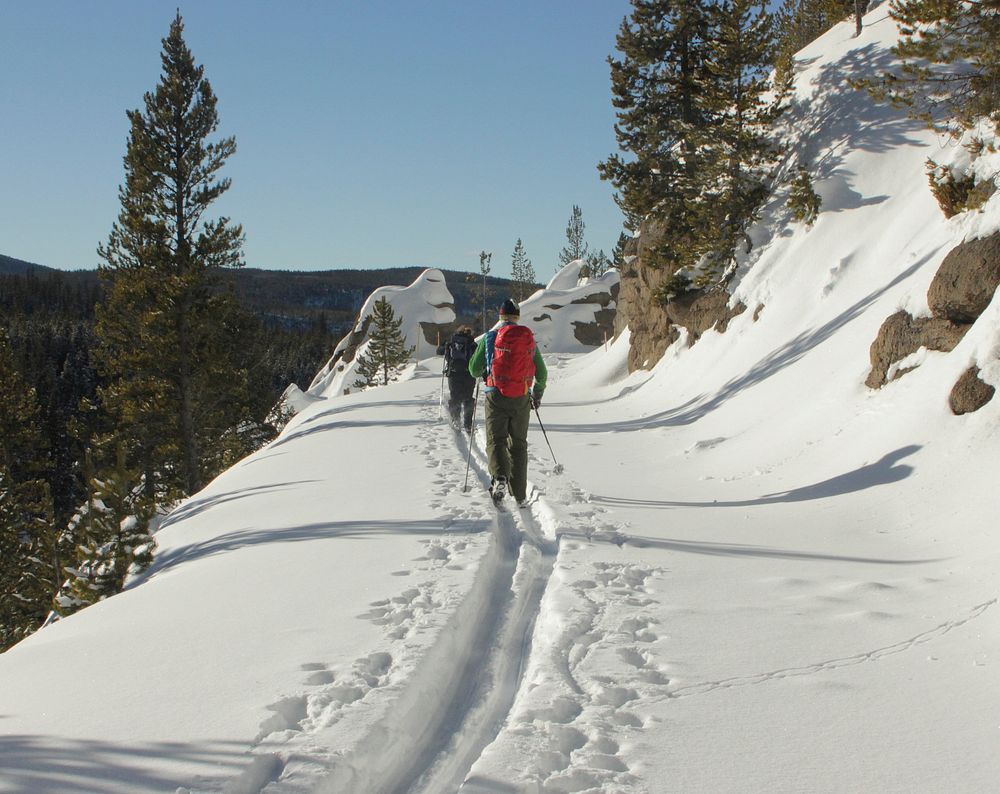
(754,575)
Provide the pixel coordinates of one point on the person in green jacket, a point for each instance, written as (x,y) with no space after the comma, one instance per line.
(515,376)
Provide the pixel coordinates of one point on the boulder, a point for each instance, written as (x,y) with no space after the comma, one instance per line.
(901,335)
(969,393)
(964,284)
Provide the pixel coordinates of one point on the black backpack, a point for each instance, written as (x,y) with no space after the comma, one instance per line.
(457,354)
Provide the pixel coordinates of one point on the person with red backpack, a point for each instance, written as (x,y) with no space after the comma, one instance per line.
(515,374)
(461,384)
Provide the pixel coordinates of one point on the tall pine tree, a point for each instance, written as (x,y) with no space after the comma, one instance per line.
(387,352)
(169,340)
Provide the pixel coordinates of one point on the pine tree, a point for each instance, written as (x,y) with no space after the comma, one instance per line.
(661,124)
(29,565)
(521,272)
(950,67)
(112,536)
(597,264)
(576,247)
(803,200)
(169,340)
(737,149)
(618,255)
(386,353)
(689,90)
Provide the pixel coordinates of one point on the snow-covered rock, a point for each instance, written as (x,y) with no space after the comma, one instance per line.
(424,306)
(572,314)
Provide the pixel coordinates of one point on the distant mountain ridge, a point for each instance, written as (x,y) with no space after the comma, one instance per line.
(298,298)
(9,265)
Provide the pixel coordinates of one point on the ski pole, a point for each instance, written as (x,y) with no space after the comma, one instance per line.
(472,438)
(558,468)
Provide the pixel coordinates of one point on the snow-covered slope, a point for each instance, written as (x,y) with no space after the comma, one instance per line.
(755,575)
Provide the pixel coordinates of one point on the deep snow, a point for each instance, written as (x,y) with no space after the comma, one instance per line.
(756,575)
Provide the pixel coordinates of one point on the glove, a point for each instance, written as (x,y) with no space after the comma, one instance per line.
(536,400)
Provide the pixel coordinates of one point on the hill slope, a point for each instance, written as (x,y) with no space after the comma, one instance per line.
(756,575)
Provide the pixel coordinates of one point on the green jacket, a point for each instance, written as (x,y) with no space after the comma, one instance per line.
(481,359)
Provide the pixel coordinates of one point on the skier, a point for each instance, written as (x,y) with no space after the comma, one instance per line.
(461,384)
(509,360)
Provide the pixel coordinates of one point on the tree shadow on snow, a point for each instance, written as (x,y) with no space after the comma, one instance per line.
(55,765)
(885,471)
(244,538)
(698,407)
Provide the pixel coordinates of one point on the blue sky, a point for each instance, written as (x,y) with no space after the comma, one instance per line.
(369,134)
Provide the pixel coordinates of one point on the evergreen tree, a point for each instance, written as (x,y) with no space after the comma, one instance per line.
(386,353)
(950,64)
(803,200)
(690,90)
(112,536)
(737,151)
(597,264)
(521,272)
(168,341)
(29,565)
(661,124)
(618,255)
(576,248)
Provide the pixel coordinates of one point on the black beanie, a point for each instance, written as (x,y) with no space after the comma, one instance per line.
(510,308)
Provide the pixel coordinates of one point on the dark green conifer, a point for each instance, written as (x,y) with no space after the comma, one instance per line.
(169,340)
(386,353)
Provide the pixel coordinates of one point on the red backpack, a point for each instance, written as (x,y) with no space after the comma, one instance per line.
(513,366)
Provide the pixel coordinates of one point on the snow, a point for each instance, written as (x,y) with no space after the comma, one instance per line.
(755,574)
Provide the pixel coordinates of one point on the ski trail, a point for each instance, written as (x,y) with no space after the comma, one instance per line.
(462,691)
(496,685)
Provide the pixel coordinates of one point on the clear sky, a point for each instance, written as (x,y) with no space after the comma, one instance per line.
(370,133)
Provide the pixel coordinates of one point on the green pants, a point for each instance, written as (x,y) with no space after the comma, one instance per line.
(507,421)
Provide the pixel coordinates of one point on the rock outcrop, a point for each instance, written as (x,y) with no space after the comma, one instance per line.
(902,335)
(653,327)
(964,284)
(573,314)
(961,290)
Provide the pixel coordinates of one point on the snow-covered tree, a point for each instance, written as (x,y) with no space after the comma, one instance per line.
(112,535)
